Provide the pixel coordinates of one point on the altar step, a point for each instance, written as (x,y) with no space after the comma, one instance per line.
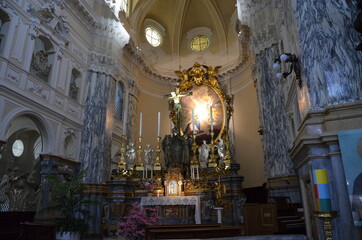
(266,237)
(192,231)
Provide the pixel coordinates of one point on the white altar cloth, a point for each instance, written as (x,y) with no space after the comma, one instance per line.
(182,200)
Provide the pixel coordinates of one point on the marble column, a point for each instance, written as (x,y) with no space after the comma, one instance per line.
(95,155)
(331,64)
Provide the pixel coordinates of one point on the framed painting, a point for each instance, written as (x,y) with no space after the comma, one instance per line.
(200,106)
(204,104)
(350,143)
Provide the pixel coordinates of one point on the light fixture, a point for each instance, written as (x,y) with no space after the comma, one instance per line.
(261,130)
(294,66)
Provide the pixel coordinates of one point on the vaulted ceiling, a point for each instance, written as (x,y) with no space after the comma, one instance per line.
(181,20)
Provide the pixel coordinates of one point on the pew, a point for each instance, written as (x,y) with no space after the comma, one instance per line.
(185,231)
(279,216)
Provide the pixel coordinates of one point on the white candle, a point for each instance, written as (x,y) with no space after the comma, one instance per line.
(124,123)
(158,123)
(211,120)
(193,121)
(141,124)
(226,114)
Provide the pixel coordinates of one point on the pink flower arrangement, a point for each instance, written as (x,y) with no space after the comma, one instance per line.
(134,225)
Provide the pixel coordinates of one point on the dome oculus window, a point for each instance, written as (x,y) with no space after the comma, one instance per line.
(18,148)
(199,43)
(153,36)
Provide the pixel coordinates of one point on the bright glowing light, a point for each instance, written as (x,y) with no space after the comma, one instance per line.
(202,112)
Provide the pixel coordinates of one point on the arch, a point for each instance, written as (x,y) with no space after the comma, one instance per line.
(39,120)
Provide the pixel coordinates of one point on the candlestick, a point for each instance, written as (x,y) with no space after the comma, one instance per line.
(193,121)
(122,161)
(211,120)
(140,124)
(157,164)
(212,159)
(139,163)
(158,123)
(326,217)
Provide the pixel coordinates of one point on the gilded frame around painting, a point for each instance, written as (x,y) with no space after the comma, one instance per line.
(202,90)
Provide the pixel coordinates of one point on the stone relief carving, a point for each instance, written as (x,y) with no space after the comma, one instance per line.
(20,191)
(52,14)
(33,30)
(37,90)
(3,4)
(13,76)
(40,64)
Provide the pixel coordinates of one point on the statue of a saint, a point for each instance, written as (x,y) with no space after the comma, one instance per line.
(130,156)
(221,150)
(204,154)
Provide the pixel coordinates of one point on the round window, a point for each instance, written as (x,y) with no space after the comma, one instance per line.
(153,36)
(199,43)
(18,148)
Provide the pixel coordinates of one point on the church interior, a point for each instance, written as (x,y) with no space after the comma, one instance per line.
(183,119)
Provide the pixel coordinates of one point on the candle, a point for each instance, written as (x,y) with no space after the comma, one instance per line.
(211,120)
(193,122)
(226,114)
(158,123)
(321,190)
(141,124)
(124,123)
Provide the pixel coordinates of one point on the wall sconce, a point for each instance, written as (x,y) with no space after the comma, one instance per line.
(261,130)
(294,66)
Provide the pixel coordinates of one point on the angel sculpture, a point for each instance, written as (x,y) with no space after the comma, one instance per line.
(221,150)
(204,154)
(130,156)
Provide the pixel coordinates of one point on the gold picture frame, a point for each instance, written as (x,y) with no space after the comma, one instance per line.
(201,89)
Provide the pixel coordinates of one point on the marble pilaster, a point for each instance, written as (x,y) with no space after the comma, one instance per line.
(93,152)
(276,142)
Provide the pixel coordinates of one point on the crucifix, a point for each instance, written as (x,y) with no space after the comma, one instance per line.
(176,100)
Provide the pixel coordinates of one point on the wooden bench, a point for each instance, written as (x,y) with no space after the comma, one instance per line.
(191,231)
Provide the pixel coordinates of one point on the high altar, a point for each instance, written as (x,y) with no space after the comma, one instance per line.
(198,175)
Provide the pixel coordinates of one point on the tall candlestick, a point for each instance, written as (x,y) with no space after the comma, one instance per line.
(158,123)
(211,120)
(193,121)
(141,124)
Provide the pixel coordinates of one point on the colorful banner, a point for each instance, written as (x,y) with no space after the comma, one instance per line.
(321,190)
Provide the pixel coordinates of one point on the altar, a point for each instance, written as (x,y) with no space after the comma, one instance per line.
(182,200)
(193,172)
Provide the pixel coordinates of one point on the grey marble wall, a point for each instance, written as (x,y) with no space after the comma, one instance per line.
(330,62)
(95,154)
(277,160)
